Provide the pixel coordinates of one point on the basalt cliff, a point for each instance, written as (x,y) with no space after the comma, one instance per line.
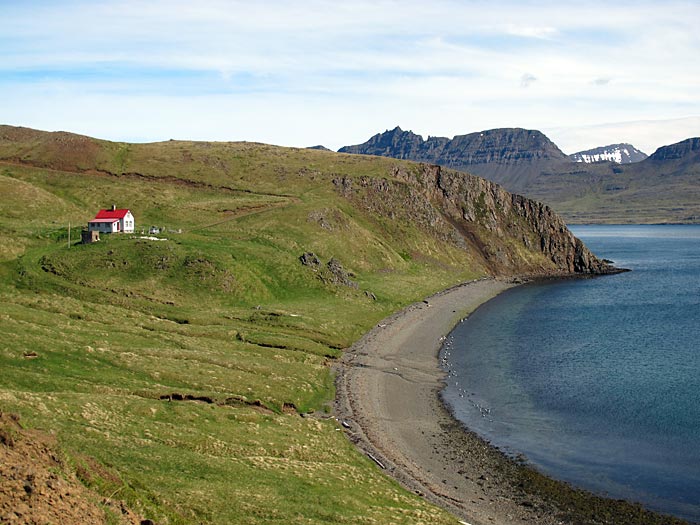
(503,232)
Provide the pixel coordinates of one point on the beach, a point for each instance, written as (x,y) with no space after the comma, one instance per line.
(389,396)
(388,401)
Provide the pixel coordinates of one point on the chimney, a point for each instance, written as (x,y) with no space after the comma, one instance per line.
(114,207)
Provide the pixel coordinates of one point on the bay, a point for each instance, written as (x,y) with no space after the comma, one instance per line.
(595,381)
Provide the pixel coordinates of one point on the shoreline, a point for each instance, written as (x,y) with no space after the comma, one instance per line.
(389,401)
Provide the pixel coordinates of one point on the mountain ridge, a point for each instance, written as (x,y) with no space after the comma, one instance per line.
(679,150)
(508,156)
(529,163)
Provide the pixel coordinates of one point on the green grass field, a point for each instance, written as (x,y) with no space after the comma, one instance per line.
(95,336)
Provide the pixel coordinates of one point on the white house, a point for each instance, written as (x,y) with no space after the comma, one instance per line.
(112,221)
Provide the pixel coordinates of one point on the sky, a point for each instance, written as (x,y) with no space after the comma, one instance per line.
(308,72)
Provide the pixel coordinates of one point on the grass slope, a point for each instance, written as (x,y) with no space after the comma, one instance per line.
(100,342)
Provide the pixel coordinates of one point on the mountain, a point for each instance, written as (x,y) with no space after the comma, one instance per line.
(665,187)
(527,162)
(682,154)
(512,157)
(618,153)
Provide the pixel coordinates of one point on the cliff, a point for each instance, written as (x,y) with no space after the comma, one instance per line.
(506,233)
(687,151)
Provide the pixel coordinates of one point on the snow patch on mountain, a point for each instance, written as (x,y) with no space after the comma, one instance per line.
(618,153)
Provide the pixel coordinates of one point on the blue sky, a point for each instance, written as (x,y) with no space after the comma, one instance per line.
(300,73)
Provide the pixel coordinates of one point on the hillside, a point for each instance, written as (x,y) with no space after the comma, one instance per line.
(187,379)
(527,162)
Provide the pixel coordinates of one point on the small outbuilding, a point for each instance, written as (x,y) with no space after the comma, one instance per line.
(89,236)
(112,221)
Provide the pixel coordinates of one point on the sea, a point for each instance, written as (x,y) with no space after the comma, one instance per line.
(595,381)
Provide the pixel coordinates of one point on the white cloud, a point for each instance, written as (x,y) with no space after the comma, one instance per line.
(345,70)
(531,31)
(527,79)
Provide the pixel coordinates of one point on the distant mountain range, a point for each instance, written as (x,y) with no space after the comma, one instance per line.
(665,187)
(512,157)
(618,153)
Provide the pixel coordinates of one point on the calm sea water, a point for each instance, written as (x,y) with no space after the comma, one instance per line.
(596,381)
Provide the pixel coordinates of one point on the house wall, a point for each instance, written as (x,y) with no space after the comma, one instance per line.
(127,223)
(104,227)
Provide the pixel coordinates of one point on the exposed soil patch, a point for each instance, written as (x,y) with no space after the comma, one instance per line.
(38,487)
(288,408)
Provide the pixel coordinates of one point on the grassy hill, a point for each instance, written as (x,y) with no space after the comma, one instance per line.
(189,376)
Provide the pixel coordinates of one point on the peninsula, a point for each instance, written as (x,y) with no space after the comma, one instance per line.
(185,375)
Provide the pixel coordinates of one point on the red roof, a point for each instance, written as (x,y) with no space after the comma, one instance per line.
(111,214)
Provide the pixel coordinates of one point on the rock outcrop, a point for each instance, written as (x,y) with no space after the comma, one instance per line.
(332,273)
(507,234)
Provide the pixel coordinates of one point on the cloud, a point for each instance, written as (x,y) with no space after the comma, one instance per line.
(444,67)
(527,79)
(540,32)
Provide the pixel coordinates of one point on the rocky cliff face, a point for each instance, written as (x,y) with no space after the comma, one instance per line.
(503,146)
(400,144)
(507,234)
(688,150)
